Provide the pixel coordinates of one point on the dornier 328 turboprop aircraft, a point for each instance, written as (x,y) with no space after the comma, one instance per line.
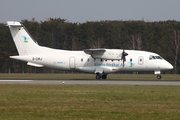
(97,61)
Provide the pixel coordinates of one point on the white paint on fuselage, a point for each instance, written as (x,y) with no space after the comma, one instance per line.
(80,61)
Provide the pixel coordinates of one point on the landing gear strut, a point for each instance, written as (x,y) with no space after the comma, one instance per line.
(99,76)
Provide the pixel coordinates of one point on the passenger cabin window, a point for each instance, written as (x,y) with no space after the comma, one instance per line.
(151,57)
(81,60)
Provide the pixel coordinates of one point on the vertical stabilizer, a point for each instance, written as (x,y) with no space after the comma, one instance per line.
(22,39)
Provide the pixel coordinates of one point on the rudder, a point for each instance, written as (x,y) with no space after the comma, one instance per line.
(22,39)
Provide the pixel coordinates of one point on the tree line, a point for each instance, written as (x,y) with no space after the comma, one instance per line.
(162,37)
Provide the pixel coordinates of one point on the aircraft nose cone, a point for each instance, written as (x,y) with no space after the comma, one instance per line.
(170,66)
(166,65)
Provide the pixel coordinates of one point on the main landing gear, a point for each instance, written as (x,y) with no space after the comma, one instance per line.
(99,76)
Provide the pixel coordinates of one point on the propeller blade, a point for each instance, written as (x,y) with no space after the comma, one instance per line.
(123,57)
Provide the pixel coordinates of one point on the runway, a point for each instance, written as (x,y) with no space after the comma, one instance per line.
(94,82)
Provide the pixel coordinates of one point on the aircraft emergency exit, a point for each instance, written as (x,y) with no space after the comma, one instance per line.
(99,61)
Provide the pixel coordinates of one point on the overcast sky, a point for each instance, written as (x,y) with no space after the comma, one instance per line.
(90,10)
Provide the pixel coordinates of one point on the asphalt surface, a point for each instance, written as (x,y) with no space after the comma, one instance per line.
(94,82)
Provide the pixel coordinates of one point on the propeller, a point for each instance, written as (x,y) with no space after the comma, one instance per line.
(123,56)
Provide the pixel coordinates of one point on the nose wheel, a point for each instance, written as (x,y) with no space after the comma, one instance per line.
(159,77)
(158,73)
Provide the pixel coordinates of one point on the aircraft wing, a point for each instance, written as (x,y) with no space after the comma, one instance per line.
(107,54)
(94,51)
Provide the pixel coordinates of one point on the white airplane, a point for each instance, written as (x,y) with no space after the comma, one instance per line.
(97,61)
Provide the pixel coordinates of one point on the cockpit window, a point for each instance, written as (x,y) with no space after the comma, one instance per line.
(158,57)
(151,57)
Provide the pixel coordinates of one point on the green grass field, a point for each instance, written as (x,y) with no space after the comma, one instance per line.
(75,102)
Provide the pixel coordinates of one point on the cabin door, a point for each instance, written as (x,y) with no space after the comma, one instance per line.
(72,62)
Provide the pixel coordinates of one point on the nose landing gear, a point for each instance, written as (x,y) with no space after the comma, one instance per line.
(158,73)
(159,77)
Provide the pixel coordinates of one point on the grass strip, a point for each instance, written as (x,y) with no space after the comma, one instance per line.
(54,102)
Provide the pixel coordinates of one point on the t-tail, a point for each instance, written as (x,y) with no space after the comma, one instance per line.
(24,42)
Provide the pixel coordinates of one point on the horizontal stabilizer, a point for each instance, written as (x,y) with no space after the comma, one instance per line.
(26,58)
(34,64)
(13,23)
